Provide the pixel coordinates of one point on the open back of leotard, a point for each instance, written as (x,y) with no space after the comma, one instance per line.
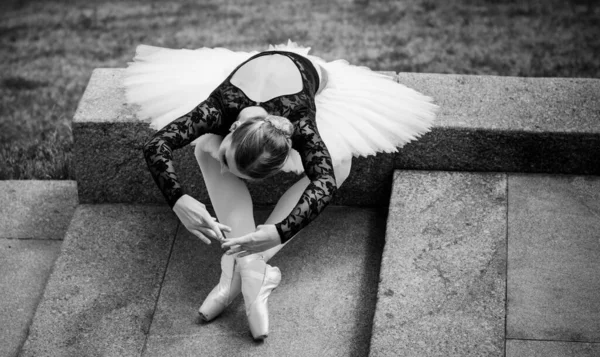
(267,77)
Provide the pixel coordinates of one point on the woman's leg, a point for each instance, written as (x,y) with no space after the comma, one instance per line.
(233,206)
(228,194)
(291,197)
(257,277)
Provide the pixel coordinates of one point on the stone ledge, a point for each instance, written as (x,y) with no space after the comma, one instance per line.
(485,123)
(442,279)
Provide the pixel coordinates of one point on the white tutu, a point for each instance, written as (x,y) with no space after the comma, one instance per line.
(359,112)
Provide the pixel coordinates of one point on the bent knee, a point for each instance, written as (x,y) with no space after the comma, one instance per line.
(207,145)
(199,150)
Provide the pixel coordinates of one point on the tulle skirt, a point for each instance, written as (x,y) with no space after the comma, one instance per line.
(359,112)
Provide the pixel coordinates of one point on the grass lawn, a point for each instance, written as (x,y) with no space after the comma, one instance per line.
(49,48)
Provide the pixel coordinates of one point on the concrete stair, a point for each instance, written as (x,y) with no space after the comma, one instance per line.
(468,264)
(462,257)
(34,216)
(129,281)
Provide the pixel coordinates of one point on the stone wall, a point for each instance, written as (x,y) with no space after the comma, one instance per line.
(485,123)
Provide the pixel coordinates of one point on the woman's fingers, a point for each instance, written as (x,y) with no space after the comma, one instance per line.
(208,232)
(234,249)
(230,242)
(219,228)
(224,227)
(233,245)
(200,235)
(216,228)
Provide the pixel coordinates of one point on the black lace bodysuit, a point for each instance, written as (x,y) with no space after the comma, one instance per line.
(217,113)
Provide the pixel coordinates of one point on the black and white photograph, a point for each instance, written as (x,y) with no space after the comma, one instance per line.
(310,178)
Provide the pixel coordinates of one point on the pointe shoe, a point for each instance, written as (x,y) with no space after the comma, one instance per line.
(258,281)
(228,288)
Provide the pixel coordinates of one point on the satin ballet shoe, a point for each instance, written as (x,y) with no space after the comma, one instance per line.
(258,281)
(228,288)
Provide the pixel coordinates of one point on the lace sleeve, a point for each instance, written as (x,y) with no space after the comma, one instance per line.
(319,169)
(158,151)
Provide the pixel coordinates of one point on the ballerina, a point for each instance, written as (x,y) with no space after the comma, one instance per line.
(260,113)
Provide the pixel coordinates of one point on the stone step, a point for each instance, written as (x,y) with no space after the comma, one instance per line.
(323,307)
(443,272)
(101,295)
(129,282)
(457,245)
(483,264)
(25,265)
(485,123)
(32,209)
(34,216)
(554,258)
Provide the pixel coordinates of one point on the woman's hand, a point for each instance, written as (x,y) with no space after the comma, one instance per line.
(198,221)
(265,237)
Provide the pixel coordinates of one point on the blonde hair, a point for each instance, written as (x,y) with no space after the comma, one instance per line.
(262,144)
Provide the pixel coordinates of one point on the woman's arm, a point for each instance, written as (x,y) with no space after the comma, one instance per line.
(158,151)
(318,167)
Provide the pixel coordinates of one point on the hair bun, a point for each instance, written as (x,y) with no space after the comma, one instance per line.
(281,125)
